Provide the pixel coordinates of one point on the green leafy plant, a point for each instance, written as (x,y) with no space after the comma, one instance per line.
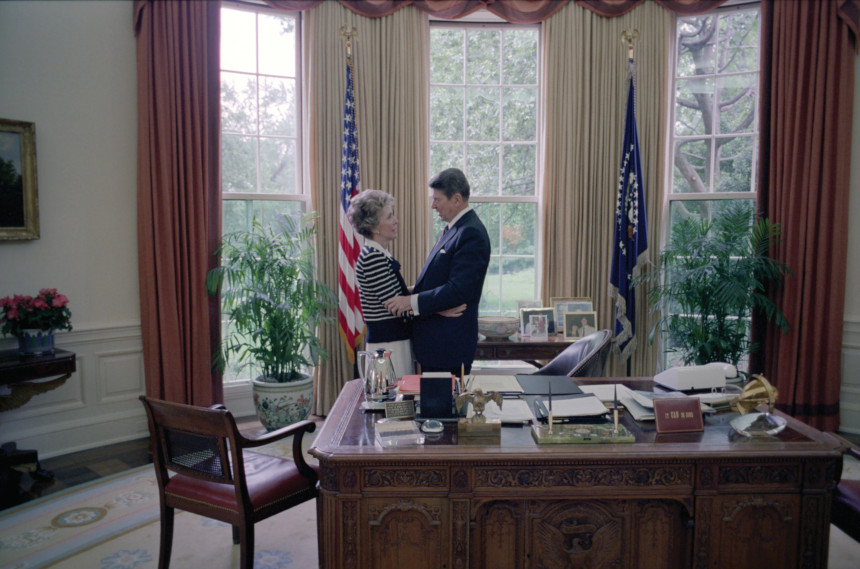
(713,275)
(271,297)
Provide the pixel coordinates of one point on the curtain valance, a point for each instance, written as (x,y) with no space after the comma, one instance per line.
(514,11)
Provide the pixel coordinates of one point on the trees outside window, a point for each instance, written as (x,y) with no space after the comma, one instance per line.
(484,86)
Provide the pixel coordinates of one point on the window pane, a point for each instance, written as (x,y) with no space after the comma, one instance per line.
(278,106)
(490,215)
(696,39)
(520,278)
(737,95)
(739,41)
(238,163)
(735,157)
(492,293)
(482,63)
(446,57)
(446,113)
(445,155)
(692,171)
(520,50)
(482,114)
(278,166)
(700,209)
(482,166)
(238,103)
(694,106)
(238,215)
(520,113)
(278,45)
(519,170)
(518,229)
(238,40)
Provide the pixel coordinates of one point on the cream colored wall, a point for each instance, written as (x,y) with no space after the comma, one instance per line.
(69,67)
(850,394)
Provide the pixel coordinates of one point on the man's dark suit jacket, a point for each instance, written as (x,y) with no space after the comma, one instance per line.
(452,275)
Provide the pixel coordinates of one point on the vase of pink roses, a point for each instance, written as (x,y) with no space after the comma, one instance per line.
(34,319)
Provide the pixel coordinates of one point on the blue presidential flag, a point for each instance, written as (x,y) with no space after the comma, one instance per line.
(631,234)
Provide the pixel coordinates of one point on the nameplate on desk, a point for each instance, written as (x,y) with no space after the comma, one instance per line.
(678,415)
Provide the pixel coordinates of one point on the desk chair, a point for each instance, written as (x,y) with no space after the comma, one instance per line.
(584,358)
(216,478)
(845,512)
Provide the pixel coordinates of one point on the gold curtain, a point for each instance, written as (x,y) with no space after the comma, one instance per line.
(586,84)
(391,86)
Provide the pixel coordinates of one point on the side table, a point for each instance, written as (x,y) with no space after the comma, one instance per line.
(22,378)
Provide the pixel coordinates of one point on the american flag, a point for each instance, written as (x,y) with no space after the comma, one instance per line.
(349,304)
(631,234)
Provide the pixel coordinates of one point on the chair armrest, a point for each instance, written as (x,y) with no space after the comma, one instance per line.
(218,407)
(297,430)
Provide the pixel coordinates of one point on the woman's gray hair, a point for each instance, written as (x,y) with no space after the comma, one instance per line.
(365,209)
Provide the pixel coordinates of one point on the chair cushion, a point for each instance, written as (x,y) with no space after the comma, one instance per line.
(846,507)
(270,479)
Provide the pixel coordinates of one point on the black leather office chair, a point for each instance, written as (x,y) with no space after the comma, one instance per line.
(584,358)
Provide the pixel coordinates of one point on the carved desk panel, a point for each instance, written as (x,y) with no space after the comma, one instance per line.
(694,500)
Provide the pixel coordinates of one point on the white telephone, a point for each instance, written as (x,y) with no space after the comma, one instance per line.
(705,376)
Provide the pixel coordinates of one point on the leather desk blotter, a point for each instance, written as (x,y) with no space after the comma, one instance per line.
(678,415)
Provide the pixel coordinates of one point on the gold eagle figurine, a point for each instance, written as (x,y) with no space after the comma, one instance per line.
(479,399)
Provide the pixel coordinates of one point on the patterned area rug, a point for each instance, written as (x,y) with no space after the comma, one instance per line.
(113,523)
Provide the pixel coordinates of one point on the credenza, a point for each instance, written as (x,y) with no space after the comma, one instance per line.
(711,499)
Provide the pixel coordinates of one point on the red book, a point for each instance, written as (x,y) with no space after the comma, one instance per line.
(678,415)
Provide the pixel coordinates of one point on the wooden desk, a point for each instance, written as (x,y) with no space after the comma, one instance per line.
(704,500)
(521,348)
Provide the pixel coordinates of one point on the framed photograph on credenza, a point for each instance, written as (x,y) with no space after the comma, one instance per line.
(578,325)
(524,319)
(562,305)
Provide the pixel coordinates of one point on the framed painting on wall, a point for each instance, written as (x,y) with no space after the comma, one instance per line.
(19,202)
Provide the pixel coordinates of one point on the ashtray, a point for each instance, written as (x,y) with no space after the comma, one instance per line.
(758,424)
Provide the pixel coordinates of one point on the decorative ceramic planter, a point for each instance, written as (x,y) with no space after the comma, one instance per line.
(34,342)
(281,404)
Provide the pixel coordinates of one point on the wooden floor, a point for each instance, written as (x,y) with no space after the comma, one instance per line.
(85,466)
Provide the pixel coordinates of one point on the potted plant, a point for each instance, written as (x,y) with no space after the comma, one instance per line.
(713,275)
(273,304)
(33,320)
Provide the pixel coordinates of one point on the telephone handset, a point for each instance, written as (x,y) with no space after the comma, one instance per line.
(705,376)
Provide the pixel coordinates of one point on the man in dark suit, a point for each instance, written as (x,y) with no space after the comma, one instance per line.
(452,275)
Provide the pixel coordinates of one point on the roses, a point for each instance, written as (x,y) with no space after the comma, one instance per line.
(47,311)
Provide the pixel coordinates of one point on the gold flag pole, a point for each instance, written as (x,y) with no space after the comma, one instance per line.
(348,34)
(628,36)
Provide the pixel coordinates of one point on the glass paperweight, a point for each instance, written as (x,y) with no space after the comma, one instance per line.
(758,424)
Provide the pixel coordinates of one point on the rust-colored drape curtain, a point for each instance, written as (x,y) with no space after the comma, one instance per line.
(807,102)
(178,195)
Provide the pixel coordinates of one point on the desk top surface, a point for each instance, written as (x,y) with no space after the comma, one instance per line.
(348,434)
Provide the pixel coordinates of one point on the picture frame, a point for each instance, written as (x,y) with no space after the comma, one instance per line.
(575,304)
(526,304)
(19,202)
(580,324)
(539,326)
(525,313)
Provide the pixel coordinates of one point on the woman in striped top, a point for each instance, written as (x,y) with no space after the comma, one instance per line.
(371,212)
